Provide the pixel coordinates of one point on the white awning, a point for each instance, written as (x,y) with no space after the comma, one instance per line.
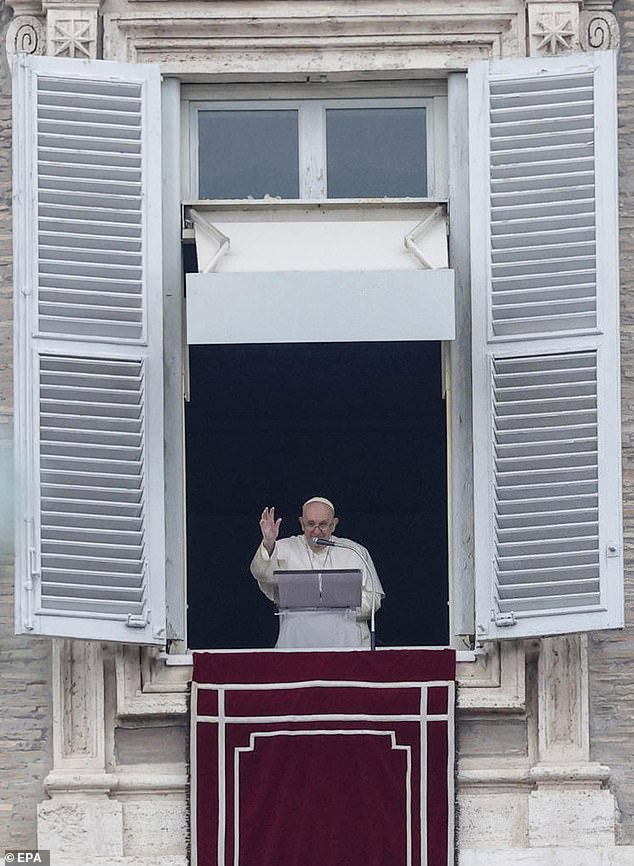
(320,306)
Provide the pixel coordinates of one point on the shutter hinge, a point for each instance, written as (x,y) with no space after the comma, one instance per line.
(29,587)
(136,621)
(34,570)
(613,549)
(503,620)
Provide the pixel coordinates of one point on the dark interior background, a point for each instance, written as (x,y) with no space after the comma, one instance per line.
(362,424)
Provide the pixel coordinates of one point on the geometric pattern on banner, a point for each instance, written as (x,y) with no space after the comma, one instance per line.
(310,758)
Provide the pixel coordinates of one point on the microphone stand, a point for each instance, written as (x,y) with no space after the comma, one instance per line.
(328,543)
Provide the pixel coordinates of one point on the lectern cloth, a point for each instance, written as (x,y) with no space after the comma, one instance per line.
(305,629)
(312,758)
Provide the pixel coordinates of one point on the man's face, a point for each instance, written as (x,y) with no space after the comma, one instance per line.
(317,521)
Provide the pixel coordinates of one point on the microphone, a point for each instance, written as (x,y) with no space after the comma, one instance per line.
(326,542)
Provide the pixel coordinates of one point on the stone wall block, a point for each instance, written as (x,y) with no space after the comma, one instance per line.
(576,856)
(89,828)
(571,817)
(153,825)
(491,819)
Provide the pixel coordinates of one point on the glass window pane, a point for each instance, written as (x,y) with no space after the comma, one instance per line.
(248,154)
(376,152)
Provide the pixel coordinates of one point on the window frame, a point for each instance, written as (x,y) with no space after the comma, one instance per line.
(461,571)
(311,107)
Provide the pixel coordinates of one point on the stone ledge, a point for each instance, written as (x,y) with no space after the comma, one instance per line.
(128,782)
(570,774)
(551,856)
(473,774)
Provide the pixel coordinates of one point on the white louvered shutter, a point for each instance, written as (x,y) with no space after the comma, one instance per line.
(544,252)
(88,350)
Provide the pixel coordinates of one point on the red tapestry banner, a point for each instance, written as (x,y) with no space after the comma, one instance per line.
(337,758)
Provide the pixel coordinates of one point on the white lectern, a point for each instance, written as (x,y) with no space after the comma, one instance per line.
(318,609)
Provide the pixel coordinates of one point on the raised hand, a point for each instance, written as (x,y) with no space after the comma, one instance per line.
(270,528)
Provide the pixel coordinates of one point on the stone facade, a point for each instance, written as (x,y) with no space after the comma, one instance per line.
(96,737)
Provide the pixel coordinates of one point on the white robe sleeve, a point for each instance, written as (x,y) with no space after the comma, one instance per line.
(370,580)
(262,568)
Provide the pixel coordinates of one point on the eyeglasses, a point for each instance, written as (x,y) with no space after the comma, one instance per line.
(323,526)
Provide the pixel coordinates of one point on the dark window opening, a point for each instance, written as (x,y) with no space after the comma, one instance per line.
(360,423)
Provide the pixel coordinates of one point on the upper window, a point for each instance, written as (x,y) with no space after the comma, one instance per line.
(247,153)
(376,152)
(310,149)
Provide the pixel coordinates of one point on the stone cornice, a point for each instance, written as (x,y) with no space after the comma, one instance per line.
(25,7)
(332,9)
(291,38)
(284,38)
(260,37)
(39,7)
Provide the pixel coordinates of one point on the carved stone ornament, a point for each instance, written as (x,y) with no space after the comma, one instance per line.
(553,28)
(599,31)
(25,35)
(72,33)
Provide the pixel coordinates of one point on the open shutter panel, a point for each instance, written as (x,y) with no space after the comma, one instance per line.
(548,526)
(88,334)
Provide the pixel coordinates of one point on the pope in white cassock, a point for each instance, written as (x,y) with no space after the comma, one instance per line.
(301,552)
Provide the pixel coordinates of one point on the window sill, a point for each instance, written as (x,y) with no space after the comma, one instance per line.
(186,659)
(492,679)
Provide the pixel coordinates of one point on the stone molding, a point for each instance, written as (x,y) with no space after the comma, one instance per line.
(99,809)
(25,35)
(560,751)
(287,38)
(147,686)
(554,796)
(553,28)
(63,32)
(474,773)
(231,41)
(563,729)
(573,855)
(495,680)
(554,789)
(82,714)
(78,706)
(25,7)
(72,32)
(164,779)
(598,30)
(295,47)
(556,27)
